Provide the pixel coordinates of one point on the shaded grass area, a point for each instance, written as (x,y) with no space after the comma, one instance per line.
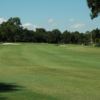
(6,88)
(50,72)
(3,98)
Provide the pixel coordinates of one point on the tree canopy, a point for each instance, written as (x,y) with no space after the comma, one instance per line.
(12,31)
(94,6)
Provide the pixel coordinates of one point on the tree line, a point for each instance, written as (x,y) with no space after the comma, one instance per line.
(12,31)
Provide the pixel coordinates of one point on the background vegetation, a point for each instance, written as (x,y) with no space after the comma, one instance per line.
(12,31)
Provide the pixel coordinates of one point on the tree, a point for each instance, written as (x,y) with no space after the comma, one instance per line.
(54,36)
(96,35)
(75,37)
(66,37)
(41,35)
(87,38)
(16,21)
(94,6)
(10,30)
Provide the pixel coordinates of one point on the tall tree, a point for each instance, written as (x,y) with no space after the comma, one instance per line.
(10,30)
(41,35)
(66,37)
(16,21)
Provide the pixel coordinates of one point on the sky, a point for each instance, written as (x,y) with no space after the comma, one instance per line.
(71,15)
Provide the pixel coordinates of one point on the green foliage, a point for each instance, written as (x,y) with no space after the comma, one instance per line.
(66,37)
(12,31)
(94,6)
(15,21)
(97,42)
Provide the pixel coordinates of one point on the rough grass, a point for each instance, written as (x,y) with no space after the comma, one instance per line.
(50,72)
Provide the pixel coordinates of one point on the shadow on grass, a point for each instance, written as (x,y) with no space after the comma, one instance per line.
(7,87)
(3,98)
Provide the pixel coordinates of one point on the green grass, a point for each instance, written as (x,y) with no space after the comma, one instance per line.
(50,72)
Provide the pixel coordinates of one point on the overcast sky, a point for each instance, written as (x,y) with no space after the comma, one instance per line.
(70,15)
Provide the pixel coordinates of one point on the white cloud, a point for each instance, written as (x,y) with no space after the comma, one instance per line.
(78,26)
(2,20)
(26,25)
(30,26)
(71,20)
(50,21)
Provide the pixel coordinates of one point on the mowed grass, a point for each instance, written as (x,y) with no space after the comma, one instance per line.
(50,72)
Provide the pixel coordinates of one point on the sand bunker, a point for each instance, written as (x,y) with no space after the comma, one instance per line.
(10,43)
